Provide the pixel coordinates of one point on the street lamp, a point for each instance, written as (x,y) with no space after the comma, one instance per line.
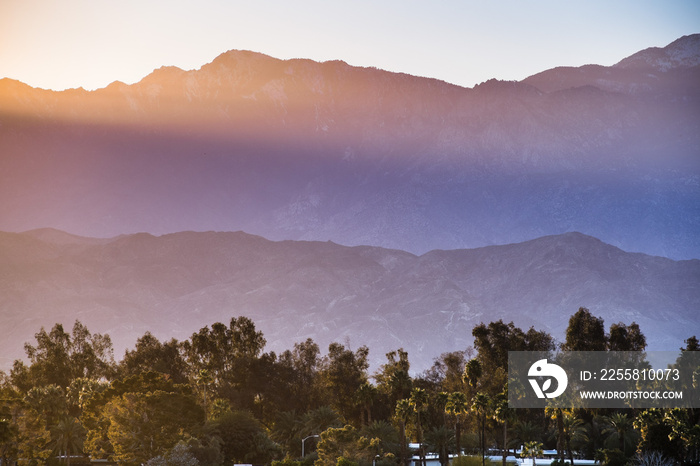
(304,440)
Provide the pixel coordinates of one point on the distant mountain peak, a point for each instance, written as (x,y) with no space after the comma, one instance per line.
(297,149)
(173,284)
(59,237)
(248,58)
(681,53)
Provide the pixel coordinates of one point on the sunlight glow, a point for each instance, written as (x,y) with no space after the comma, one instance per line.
(91,43)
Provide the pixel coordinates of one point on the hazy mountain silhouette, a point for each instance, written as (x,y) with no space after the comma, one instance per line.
(303,150)
(173,285)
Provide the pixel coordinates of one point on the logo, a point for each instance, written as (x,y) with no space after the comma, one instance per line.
(551,371)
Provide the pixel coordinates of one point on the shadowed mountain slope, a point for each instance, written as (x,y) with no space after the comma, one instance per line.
(303,150)
(172,285)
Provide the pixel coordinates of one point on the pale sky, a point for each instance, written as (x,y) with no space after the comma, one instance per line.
(59,44)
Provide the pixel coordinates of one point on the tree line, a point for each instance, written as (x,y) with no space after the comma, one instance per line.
(218,398)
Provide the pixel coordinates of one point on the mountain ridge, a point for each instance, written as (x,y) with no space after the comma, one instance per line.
(174,284)
(296,149)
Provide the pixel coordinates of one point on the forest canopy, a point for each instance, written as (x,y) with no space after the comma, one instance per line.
(218,398)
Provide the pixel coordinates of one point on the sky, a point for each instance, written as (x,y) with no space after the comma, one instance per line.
(59,44)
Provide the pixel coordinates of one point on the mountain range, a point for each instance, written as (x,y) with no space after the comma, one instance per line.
(173,285)
(578,186)
(301,150)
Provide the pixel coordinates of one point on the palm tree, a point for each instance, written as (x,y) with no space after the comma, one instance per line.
(532,449)
(319,420)
(403,414)
(419,403)
(385,432)
(472,372)
(400,383)
(480,405)
(574,431)
(365,397)
(49,402)
(502,414)
(557,415)
(457,406)
(68,437)
(204,380)
(619,425)
(525,432)
(441,400)
(286,429)
(440,439)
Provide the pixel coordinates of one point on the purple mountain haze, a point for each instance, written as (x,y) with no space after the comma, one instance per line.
(173,285)
(419,179)
(316,151)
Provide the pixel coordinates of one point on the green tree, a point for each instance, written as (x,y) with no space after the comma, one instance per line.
(440,401)
(228,353)
(620,428)
(440,440)
(393,380)
(347,444)
(419,403)
(95,416)
(585,332)
(50,358)
(91,355)
(574,433)
(473,372)
(60,357)
(287,432)
(457,406)
(81,391)
(685,363)
(403,414)
(152,355)
(145,425)
(525,431)
(33,438)
(9,434)
(299,382)
(447,371)
(655,434)
(343,373)
(68,437)
(320,419)
(691,344)
(626,338)
(365,396)
(494,341)
(503,414)
(387,435)
(532,449)
(557,415)
(49,402)
(290,428)
(217,408)
(8,437)
(481,405)
(686,430)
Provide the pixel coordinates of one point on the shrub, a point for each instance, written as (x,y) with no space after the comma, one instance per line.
(614,457)
(286,462)
(653,458)
(343,461)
